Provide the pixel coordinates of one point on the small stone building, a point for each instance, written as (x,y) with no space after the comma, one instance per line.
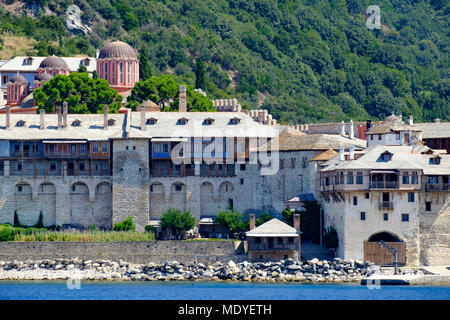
(273,240)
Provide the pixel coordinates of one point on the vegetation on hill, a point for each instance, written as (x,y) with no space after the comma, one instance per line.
(304,61)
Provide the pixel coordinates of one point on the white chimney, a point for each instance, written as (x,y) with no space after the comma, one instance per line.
(59,117)
(341,154)
(143,127)
(97,53)
(42,119)
(352,152)
(342,128)
(352,132)
(65,111)
(410,120)
(182,100)
(105,117)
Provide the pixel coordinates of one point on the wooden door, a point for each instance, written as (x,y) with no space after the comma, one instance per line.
(382,256)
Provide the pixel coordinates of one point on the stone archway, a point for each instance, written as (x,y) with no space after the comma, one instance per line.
(47,203)
(378,254)
(24,205)
(157,199)
(81,211)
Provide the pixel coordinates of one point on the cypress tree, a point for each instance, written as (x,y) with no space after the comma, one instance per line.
(200,72)
(144,66)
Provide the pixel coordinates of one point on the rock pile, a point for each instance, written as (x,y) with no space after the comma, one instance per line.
(313,270)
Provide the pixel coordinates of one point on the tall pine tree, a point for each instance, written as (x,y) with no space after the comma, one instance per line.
(144,66)
(200,72)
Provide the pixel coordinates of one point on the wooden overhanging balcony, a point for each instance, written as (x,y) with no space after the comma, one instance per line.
(430,187)
(273,247)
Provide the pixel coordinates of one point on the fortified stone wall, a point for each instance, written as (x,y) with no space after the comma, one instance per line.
(135,252)
(81,201)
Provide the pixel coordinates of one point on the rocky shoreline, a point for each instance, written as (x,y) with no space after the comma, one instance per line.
(314,270)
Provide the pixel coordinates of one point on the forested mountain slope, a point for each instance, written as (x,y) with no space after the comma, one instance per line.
(305,61)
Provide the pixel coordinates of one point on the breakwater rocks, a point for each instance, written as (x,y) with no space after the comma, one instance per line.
(288,270)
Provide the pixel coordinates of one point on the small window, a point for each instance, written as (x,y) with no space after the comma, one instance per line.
(350,178)
(405,217)
(355,201)
(234,121)
(151,121)
(82,166)
(208,122)
(19,167)
(104,147)
(359,178)
(385,217)
(134,147)
(293,163)
(178,187)
(280,240)
(242,166)
(111,122)
(428,206)
(52,166)
(257,240)
(367,195)
(126,148)
(362,216)
(414,178)
(405,177)
(397,135)
(76,123)
(242,181)
(95,147)
(379,137)
(182,121)
(230,204)
(410,196)
(20,123)
(19,188)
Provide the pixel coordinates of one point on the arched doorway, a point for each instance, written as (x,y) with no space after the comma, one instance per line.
(379,254)
(47,203)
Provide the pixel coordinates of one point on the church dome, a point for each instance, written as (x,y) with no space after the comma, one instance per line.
(117,49)
(53,62)
(44,77)
(393,118)
(18,79)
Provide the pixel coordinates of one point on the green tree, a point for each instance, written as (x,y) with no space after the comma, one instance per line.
(176,221)
(200,74)
(82,69)
(82,93)
(288,216)
(230,219)
(263,218)
(145,71)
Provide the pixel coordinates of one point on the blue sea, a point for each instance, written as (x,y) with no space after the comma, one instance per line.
(61,290)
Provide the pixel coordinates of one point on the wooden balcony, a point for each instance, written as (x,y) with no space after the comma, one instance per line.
(430,187)
(272,247)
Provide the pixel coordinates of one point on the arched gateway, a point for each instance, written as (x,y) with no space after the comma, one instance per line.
(380,254)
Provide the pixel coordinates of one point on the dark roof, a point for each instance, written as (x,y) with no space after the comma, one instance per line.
(117,49)
(44,77)
(54,62)
(19,79)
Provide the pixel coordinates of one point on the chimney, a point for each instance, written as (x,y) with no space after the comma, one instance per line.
(105,117)
(410,120)
(252,221)
(59,111)
(297,221)
(42,119)
(65,109)
(342,128)
(182,103)
(368,125)
(341,154)
(352,132)
(8,118)
(352,152)
(143,127)
(97,53)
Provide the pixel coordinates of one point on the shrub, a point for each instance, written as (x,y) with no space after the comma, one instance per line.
(231,219)
(93,228)
(150,228)
(125,225)
(40,223)
(331,238)
(176,221)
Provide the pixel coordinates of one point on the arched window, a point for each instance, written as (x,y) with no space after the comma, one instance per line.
(121,71)
(105,66)
(128,72)
(113,71)
(16,93)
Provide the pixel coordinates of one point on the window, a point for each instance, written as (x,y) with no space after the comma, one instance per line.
(371,137)
(104,147)
(367,195)
(410,196)
(355,201)
(386,156)
(113,72)
(73,148)
(128,72)
(436,160)
(230,204)
(341,178)
(362,216)
(428,206)
(281,164)
(242,166)
(405,217)
(414,178)
(82,148)
(151,121)
(280,240)
(379,137)
(4,79)
(257,240)
(82,166)
(95,147)
(350,178)
(182,121)
(19,167)
(405,178)
(234,121)
(16,93)
(134,147)
(52,166)
(208,122)
(397,135)
(105,65)
(19,188)
(105,164)
(111,122)
(385,217)
(76,123)
(242,181)
(293,163)
(359,178)
(121,71)
(178,187)
(304,162)
(126,148)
